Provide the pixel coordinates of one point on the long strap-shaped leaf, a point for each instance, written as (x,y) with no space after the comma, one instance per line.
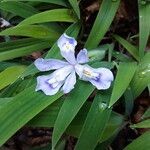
(95,123)
(60,15)
(144,27)
(101,25)
(10,75)
(58,2)
(75,6)
(130,48)
(48,116)
(36,31)
(142,76)
(123,78)
(23,51)
(143,124)
(70,108)
(21,109)
(141,143)
(4,46)
(18,8)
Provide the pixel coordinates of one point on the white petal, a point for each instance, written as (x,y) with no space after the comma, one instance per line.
(67,48)
(82,56)
(69,83)
(49,64)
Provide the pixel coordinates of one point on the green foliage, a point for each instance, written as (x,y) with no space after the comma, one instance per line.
(95,123)
(10,75)
(144,24)
(84,113)
(124,76)
(72,104)
(141,143)
(61,15)
(143,124)
(108,10)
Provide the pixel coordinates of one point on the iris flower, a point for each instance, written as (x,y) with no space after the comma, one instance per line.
(64,76)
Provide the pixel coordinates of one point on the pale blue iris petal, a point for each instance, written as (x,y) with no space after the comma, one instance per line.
(69,83)
(64,41)
(106,74)
(51,84)
(82,56)
(67,48)
(100,77)
(62,73)
(103,80)
(101,85)
(79,70)
(49,64)
(42,84)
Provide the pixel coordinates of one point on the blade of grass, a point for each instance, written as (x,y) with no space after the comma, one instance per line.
(72,104)
(75,6)
(21,111)
(23,51)
(102,23)
(36,31)
(59,15)
(142,76)
(18,8)
(143,124)
(95,123)
(129,47)
(10,75)
(58,2)
(123,78)
(141,143)
(144,26)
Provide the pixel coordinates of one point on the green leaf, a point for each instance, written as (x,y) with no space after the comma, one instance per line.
(47,118)
(71,106)
(142,76)
(143,124)
(75,6)
(129,101)
(58,2)
(10,75)
(36,31)
(13,89)
(144,26)
(4,46)
(59,15)
(141,143)
(18,8)
(102,23)
(147,113)
(23,51)
(129,47)
(123,78)
(21,109)
(95,123)
(114,125)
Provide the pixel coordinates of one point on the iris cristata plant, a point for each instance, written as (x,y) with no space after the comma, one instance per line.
(64,76)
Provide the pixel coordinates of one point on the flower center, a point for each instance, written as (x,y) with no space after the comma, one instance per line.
(67,46)
(87,73)
(90,74)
